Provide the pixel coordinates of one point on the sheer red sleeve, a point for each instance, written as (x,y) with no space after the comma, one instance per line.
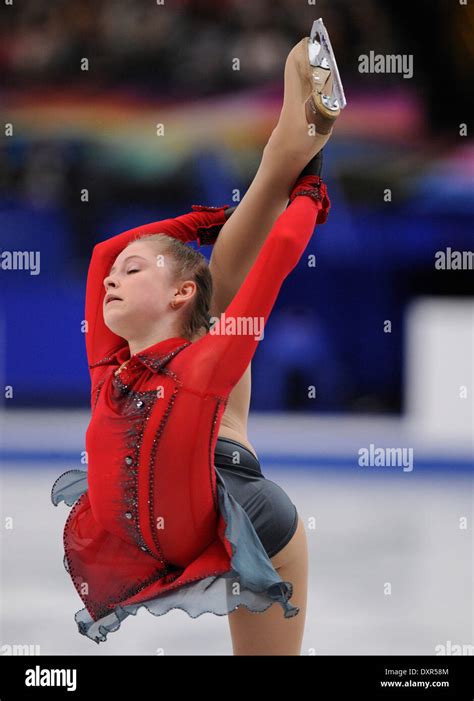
(201,225)
(222,355)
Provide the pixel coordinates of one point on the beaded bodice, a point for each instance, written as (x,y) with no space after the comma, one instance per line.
(130,469)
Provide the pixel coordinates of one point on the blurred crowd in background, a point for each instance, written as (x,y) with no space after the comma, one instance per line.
(188,44)
(75,128)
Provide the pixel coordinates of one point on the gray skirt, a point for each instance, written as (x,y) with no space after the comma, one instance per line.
(251,582)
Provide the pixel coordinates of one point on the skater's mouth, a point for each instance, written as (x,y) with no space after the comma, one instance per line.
(112,298)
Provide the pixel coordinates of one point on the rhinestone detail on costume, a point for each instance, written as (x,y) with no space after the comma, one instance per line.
(151,499)
(155,363)
(134,436)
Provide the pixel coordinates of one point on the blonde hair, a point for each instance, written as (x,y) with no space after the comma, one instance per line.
(188,264)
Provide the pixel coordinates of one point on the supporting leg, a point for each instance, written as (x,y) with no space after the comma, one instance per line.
(269,633)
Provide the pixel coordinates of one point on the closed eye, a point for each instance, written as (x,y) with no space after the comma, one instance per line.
(132,271)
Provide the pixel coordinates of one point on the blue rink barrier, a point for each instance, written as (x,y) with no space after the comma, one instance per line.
(316,461)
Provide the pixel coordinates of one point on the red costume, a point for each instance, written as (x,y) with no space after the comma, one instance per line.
(149,523)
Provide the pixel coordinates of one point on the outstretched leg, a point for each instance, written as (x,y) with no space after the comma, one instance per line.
(293,143)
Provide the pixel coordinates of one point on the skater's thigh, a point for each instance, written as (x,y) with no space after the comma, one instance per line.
(269,632)
(296,550)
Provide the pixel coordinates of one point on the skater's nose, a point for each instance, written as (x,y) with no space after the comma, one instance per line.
(110,281)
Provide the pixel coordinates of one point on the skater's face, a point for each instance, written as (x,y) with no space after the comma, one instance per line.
(143,280)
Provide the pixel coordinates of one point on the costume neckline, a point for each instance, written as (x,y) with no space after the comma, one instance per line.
(159,348)
(153,357)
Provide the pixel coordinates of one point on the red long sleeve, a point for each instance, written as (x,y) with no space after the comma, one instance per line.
(216,362)
(189,227)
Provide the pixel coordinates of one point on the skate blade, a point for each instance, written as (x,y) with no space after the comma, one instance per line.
(321,54)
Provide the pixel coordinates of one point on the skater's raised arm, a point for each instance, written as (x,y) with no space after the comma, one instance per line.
(201,225)
(221,357)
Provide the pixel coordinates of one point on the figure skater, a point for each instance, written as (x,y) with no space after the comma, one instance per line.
(174,511)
